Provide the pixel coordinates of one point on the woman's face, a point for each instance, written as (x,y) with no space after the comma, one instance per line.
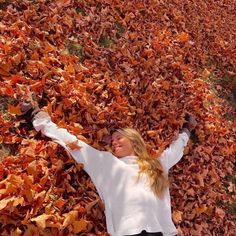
(121,145)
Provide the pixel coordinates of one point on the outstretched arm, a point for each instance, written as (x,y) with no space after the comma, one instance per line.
(174,152)
(92,158)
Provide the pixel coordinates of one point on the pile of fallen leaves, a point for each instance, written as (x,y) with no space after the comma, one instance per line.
(96,65)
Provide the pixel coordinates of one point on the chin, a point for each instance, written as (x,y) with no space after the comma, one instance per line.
(118,155)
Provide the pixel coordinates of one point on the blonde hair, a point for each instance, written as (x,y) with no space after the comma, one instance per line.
(158,180)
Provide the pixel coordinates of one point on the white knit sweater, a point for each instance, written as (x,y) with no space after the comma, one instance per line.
(130,205)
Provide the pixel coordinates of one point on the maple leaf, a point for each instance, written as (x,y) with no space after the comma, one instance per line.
(41,220)
(69,218)
(73,145)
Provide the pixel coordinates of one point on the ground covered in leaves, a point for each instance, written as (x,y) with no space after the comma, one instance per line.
(96,65)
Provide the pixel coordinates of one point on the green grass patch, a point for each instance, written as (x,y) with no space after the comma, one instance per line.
(76,49)
(231,178)
(232,209)
(4,4)
(80,10)
(227,91)
(105,41)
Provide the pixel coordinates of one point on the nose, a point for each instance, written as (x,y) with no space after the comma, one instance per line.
(114,142)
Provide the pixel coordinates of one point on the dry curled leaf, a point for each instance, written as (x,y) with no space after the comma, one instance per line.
(73,145)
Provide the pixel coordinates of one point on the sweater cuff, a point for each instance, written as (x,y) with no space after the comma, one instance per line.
(187,131)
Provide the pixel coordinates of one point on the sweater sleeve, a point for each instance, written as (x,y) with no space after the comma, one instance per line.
(174,152)
(92,159)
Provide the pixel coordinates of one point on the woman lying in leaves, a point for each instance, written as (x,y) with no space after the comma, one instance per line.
(132,185)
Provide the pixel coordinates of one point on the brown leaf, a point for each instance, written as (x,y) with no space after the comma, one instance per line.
(73,145)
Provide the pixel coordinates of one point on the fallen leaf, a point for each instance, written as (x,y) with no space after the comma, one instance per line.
(73,145)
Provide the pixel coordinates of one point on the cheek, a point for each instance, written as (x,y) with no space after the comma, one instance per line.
(129,145)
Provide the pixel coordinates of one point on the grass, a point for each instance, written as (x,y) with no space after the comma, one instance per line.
(232,209)
(231,178)
(80,10)
(226,91)
(105,41)
(76,49)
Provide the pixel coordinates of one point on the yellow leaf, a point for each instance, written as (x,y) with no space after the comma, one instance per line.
(32,168)
(4,202)
(41,221)
(45,178)
(177,216)
(69,218)
(79,225)
(9,189)
(70,69)
(18,201)
(13,201)
(28,193)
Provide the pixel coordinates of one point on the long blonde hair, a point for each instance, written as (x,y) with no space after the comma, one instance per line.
(158,180)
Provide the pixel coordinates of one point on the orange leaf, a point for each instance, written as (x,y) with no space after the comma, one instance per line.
(31,230)
(41,221)
(79,225)
(18,58)
(201,209)
(13,201)
(70,69)
(28,193)
(60,203)
(183,37)
(5,68)
(44,180)
(69,218)
(16,232)
(15,110)
(166,85)
(156,45)
(35,55)
(17,78)
(6,90)
(32,168)
(177,216)
(152,133)
(73,145)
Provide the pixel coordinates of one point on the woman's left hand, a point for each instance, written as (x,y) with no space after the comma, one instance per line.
(191,123)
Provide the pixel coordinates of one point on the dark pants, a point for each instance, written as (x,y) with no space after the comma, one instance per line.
(144,233)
